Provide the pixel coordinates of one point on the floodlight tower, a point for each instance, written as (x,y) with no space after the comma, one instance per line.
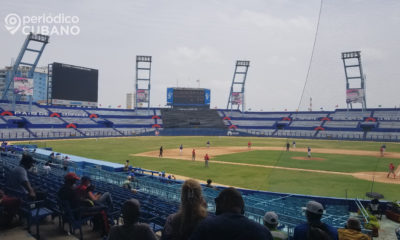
(355,79)
(236,95)
(142,84)
(36,51)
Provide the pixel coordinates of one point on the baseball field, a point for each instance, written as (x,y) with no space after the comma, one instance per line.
(335,169)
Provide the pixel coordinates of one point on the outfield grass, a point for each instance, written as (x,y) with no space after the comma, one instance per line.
(119,149)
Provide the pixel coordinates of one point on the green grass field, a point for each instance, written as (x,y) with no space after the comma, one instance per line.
(119,149)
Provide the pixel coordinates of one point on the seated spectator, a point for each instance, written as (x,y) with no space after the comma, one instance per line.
(18,179)
(128,184)
(192,211)
(352,231)
(131,229)
(46,167)
(10,207)
(209,181)
(271,222)
(67,191)
(85,192)
(314,228)
(230,222)
(69,194)
(126,166)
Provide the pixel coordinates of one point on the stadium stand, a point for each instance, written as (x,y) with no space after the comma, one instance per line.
(295,133)
(14,133)
(374,124)
(23,108)
(43,120)
(340,134)
(308,116)
(246,123)
(341,124)
(95,132)
(69,112)
(306,123)
(55,132)
(77,120)
(350,115)
(257,132)
(131,121)
(387,115)
(387,124)
(204,118)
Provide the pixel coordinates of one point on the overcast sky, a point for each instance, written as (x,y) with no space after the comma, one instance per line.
(192,40)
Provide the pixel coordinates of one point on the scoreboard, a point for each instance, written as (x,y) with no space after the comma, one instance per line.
(188,97)
(74,85)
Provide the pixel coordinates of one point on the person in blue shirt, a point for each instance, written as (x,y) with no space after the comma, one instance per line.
(314,229)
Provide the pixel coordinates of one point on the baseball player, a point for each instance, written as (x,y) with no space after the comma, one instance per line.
(391,171)
(206,158)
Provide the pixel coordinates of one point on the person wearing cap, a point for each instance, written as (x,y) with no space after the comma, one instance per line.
(85,191)
(131,229)
(314,228)
(192,210)
(271,222)
(67,191)
(352,231)
(230,222)
(18,178)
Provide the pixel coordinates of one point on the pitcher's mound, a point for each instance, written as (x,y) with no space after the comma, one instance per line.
(306,158)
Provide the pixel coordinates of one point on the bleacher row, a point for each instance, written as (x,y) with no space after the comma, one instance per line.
(160,197)
(26,122)
(374,124)
(37,121)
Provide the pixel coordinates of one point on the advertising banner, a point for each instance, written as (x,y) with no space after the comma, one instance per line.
(354,95)
(23,86)
(170,96)
(142,95)
(237,98)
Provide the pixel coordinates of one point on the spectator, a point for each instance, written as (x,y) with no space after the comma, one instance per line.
(126,166)
(314,228)
(193,210)
(85,192)
(67,191)
(209,181)
(10,207)
(131,229)
(271,222)
(69,194)
(46,167)
(18,178)
(65,161)
(128,184)
(230,222)
(352,231)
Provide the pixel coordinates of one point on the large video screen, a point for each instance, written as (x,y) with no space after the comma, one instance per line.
(74,83)
(189,96)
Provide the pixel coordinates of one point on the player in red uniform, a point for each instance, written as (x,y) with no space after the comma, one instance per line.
(206,158)
(391,170)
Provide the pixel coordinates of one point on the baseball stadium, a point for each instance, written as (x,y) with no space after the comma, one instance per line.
(347,159)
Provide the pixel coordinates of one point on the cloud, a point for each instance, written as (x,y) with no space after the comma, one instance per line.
(264,20)
(185,55)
